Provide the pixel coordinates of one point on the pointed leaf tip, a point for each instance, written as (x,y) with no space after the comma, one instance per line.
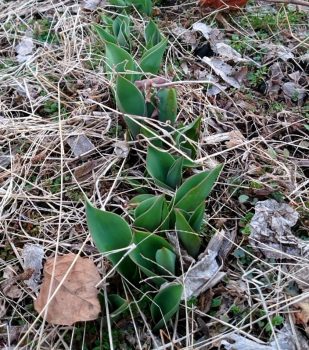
(110,232)
(166,304)
(195,190)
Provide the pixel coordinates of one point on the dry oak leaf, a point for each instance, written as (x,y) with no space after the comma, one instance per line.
(77,297)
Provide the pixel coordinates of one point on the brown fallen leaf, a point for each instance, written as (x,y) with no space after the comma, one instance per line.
(301,317)
(76,300)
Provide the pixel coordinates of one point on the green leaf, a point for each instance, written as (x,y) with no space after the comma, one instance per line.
(166,258)
(123,32)
(135,201)
(110,232)
(166,304)
(195,189)
(144,255)
(122,40)
(144,6)
(108,21)
(152,35)
(116,25)
(150,110)
(131,101)
(152,58)
(151,134)
(277,320)
(118,305)
(167,105)
(239,253)
(145,205)
(192,131)
(119,60)
(103,34)
(148,214)
(118,2)
(129,98)
(174,175)
(190,240)
(186,137)
(158,164)
(196,218)
(147,7)
(126,22)
(165,221)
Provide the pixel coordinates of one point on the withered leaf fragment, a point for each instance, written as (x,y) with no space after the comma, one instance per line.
(76,300)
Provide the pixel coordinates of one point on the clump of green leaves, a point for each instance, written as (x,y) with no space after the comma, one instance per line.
(129,74)
(141,247)
(258,76)
(115,30)
(125,70)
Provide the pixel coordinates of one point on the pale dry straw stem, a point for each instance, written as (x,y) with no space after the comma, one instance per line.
(44,314)
(134,322)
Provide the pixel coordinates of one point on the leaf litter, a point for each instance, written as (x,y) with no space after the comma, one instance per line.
(286,339)
(271,235)
(224,53)
(93,4)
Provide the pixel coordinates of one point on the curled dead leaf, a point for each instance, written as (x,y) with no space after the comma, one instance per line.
(76,299)
(206,272)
